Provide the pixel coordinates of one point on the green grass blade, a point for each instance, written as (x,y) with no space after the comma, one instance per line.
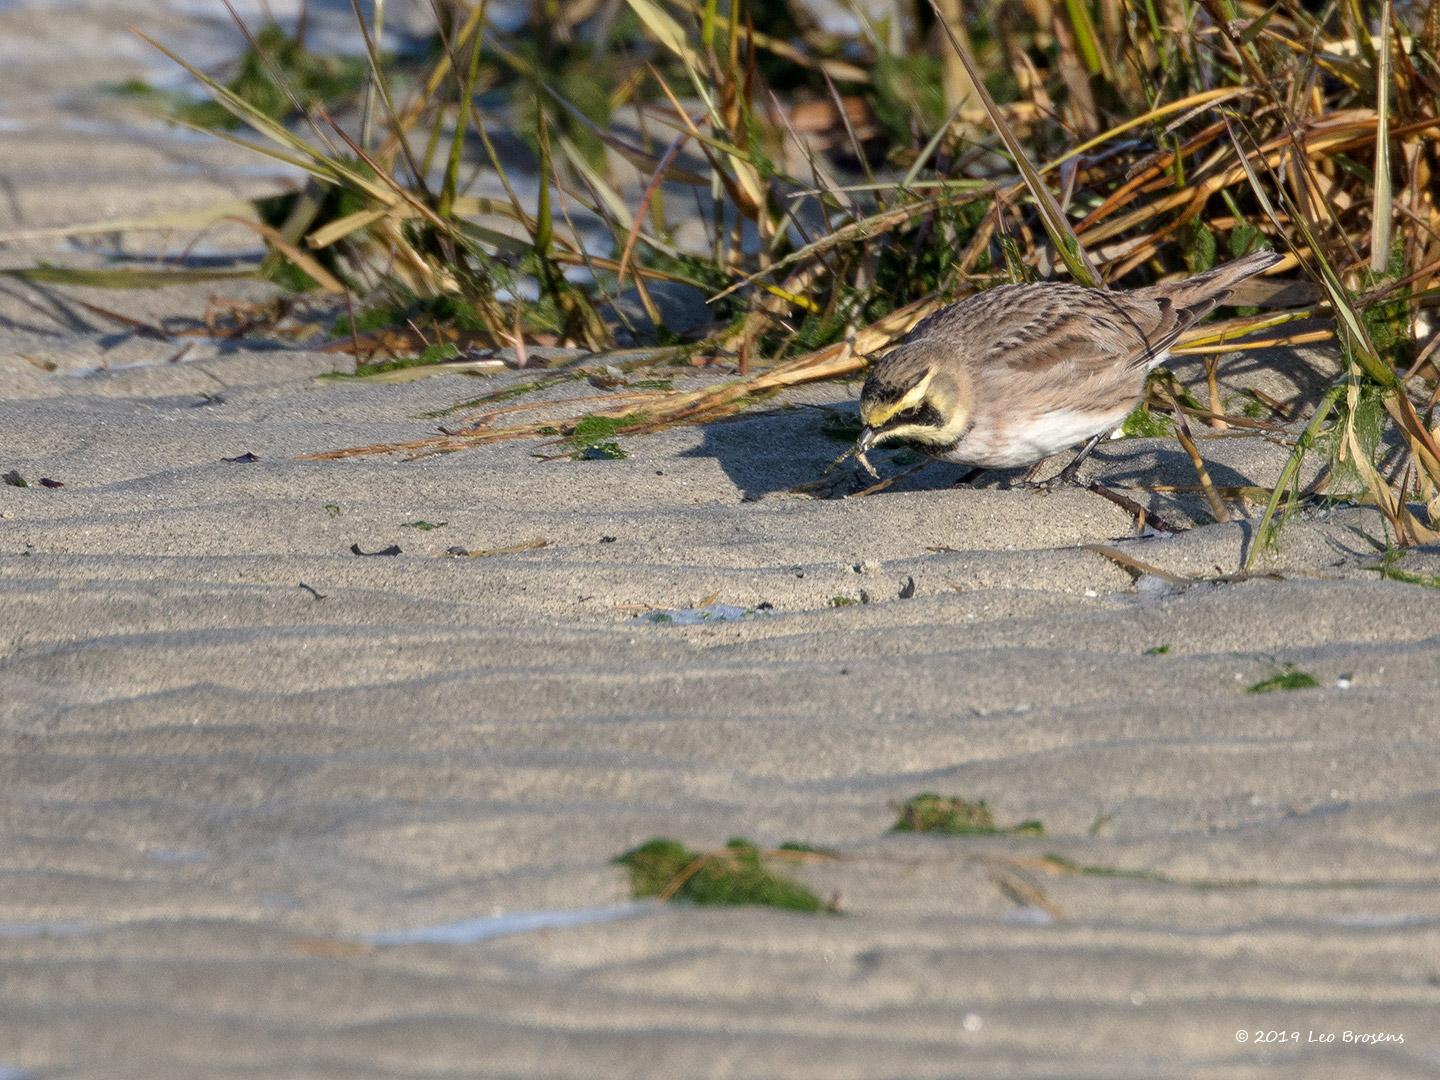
(450,184)
(234,104)
(923,158)
(1083,26)
(382,88)
(1265,530)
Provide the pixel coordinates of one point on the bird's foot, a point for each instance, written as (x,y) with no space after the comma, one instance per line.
(1039,487)
(1066,477)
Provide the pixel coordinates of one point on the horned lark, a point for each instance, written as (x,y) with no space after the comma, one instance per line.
(1011,375)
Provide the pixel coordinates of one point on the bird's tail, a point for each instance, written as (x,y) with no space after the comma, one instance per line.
(1213,287)
(1184,303)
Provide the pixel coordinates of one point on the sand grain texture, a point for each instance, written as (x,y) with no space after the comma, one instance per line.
(218,787)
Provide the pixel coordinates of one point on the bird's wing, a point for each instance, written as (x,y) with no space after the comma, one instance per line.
(1082,333)
(1053,342)
(1053,347)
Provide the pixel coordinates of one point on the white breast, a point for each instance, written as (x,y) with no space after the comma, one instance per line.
(1019,441)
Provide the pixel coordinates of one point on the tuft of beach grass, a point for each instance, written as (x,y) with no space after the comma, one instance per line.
(842,201)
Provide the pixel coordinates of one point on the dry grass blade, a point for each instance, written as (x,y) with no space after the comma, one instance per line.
(306,262)
(678,881)
(123,278)
(666,30)
(1057,225)
(672,152)
(856,230)
(1182,433)
(238,107)
(510,549)
(1020,889)
(277,76)
(1142,515)
(298,152)
(1382,210)
(180,219)
(681,407)
(1138,567)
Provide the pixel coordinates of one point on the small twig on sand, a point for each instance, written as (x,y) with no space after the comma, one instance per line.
(1142,515)
(679,880)
(1137,567)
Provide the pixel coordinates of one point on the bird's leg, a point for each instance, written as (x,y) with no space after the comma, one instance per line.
(1066,475)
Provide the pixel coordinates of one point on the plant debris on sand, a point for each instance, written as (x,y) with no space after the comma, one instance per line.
(736,874)
(950,816)
(1288,678)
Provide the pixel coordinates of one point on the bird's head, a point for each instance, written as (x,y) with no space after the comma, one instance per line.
(907,397)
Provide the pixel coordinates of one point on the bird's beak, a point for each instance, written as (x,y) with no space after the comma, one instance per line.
(866,440)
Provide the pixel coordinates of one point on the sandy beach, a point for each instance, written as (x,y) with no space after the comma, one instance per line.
(272,808)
